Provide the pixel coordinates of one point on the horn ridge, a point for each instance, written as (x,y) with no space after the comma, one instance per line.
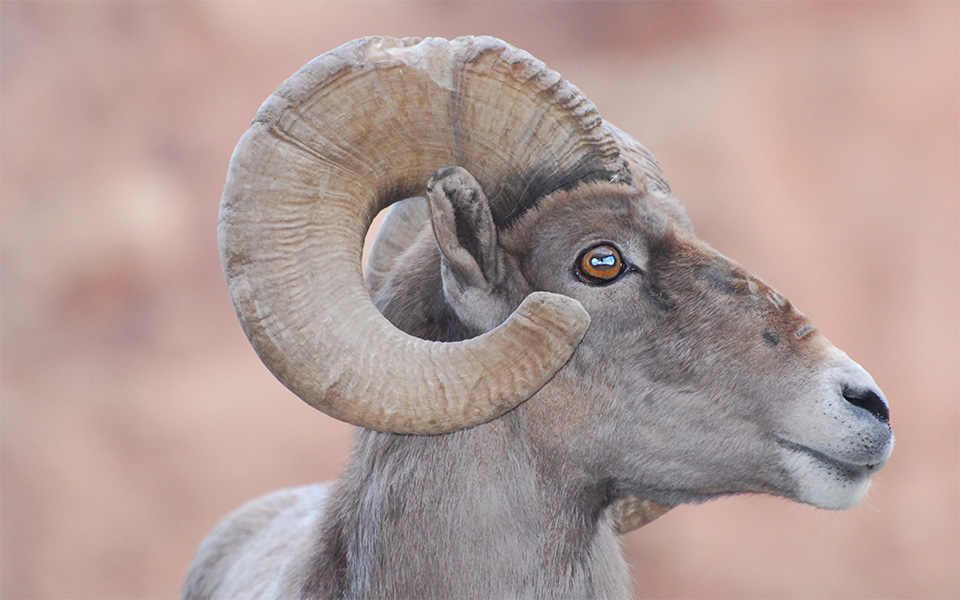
(353,131)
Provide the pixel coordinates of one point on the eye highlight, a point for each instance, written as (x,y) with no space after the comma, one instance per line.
(600,264)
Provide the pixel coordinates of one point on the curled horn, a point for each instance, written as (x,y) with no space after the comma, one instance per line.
(644,167)
(397,232)
(353,131)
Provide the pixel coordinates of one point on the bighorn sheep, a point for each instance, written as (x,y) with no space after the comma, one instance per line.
(543,355)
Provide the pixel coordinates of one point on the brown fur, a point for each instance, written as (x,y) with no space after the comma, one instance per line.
(694,380)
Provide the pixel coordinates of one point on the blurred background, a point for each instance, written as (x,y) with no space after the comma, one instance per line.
(816,143)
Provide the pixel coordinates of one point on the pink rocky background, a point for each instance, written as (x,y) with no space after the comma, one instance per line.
(816,143)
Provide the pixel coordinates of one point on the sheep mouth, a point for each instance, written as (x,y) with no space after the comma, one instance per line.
(849,469)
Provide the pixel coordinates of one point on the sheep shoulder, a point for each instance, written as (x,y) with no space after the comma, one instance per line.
(247,555)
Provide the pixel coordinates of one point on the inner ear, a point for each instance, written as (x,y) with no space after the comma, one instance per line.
(464,228)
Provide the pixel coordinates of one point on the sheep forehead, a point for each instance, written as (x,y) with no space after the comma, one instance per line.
(595,210)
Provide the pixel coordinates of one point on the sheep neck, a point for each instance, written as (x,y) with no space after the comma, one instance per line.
(461,507)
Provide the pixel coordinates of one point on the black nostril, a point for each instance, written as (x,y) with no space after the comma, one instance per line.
(869,401)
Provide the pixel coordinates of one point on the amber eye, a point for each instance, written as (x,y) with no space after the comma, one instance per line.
(600,264)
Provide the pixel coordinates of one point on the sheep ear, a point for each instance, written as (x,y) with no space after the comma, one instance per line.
(472,261)
(464,228)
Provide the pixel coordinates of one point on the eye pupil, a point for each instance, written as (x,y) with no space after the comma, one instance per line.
(600,264)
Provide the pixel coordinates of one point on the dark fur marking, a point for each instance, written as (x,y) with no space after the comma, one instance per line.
(465,232)
(332,580)
(660,298)
(719,278)
(661,253)
(535,186)
(771,337)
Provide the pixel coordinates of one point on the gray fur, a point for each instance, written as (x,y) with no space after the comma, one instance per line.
(676,395)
